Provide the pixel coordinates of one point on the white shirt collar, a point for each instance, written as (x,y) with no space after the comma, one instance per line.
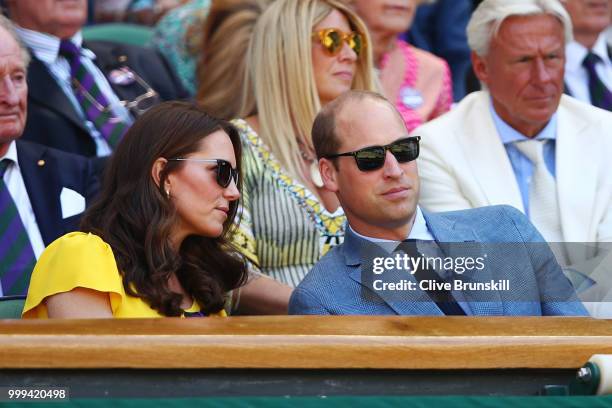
(46,46)
(575,53)
(418,231)
(11,154)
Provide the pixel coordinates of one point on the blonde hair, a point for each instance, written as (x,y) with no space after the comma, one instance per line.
(225,38)
(280,75)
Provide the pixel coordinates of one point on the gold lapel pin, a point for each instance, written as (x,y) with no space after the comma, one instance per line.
(41,163)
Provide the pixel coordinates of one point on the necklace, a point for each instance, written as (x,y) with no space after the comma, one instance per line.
(313,168)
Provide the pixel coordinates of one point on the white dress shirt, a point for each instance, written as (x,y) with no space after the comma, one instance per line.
(576,77)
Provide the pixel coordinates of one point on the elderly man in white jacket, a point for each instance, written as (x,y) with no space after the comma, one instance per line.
(521,141)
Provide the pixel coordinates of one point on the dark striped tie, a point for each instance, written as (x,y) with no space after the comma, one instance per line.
(96,107)
(600,95)
(444,299)
(16,255)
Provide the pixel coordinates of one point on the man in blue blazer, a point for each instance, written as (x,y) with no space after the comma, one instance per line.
(43,191)
(367,160)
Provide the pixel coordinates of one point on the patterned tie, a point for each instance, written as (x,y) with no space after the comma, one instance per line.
(93,102)
(600,95)
(543,205)
(16,255)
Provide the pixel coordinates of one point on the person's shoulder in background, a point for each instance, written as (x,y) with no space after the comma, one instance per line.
(177,36)
(149,64)
(440,29)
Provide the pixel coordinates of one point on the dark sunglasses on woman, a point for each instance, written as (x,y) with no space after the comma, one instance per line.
(225,171)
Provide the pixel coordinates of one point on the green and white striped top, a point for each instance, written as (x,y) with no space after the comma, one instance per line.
(284,229)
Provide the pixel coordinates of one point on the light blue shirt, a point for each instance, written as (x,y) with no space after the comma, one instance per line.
(523,170)
(521,165)
(46,48)
(420,231)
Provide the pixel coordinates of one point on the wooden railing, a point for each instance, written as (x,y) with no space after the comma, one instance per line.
(315,342)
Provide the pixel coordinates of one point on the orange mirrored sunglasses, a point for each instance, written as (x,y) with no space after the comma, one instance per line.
(332,40)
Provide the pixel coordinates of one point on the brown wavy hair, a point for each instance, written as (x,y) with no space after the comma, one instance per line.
(135,217)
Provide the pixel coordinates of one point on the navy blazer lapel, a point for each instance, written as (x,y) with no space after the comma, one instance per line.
(405,302)
(44,90)
(458,239)
(111,56)
(43,189)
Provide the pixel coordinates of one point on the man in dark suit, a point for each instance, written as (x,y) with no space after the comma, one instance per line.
(588,63)
(129,79)
(485,261)
(43,191)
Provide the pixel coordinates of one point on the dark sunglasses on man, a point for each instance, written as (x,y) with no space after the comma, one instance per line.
(373,157)
(225,171)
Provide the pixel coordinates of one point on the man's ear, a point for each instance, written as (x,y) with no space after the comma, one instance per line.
(329,174)
(480,68)
(156,170)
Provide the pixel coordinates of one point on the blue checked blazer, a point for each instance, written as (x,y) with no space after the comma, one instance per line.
(538,286)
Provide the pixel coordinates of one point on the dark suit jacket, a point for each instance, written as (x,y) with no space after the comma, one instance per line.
(52,119)
(45,172)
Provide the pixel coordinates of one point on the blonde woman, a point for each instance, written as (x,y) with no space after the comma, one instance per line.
(302,55)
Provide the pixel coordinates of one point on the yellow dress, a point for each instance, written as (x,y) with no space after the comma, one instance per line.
(83,260)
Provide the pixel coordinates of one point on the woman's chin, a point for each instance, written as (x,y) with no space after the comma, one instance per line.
(213,231)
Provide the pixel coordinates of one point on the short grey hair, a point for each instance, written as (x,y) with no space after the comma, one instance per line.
(490,14)
(10,28)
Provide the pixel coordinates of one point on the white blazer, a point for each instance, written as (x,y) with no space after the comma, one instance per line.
(463,164)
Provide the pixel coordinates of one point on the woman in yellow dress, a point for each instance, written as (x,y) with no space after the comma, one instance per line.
(154,243)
